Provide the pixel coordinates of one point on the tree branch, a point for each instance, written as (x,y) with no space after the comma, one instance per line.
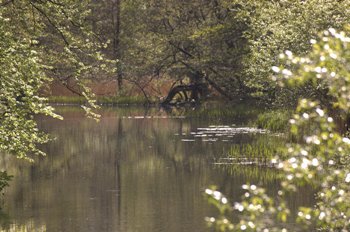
(42,12)
(211,82)
(6,3)
(141,88)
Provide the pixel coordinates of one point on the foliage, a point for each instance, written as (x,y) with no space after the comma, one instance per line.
(40,40)
(276,26)
(231,44)
(321,160)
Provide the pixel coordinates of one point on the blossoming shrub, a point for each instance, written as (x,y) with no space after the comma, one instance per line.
(320,159)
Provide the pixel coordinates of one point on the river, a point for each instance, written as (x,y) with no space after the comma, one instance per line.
(136,170)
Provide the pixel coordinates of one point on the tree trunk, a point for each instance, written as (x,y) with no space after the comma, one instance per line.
(116,40)
(196,91)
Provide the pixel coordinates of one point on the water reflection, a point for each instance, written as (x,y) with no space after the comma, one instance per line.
(133,171)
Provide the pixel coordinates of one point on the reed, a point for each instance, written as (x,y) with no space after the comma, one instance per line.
(259,151)
(275,121)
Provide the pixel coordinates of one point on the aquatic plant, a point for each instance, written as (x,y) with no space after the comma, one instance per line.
(274,120)
(4,179)
(263,148)
(217,110)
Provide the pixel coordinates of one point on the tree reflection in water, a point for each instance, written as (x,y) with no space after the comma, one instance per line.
(130,172)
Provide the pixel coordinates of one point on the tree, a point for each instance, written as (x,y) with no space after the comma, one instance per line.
(40,40)
(174,26)
(230,44)
(106,19)
(249,35)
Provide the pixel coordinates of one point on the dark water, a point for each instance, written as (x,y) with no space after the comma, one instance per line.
(136,170)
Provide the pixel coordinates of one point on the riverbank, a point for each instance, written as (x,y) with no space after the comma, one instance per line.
(101,100)
(252,113)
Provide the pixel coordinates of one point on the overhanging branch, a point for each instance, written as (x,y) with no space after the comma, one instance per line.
(42,12)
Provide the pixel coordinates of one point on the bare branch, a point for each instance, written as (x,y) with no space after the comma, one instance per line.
(142,88)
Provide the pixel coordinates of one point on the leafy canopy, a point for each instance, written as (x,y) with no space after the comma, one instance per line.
(40,40)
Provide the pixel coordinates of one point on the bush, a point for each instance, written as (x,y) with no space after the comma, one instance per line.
(321,160)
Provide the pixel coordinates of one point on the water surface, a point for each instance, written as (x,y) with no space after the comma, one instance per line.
(136,170)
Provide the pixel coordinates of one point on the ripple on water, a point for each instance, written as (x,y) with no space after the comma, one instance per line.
(223,133)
